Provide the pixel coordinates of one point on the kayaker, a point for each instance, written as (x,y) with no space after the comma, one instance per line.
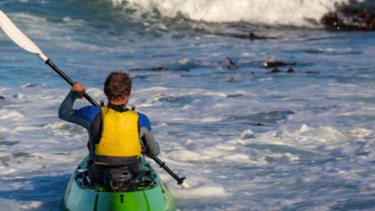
(116,133)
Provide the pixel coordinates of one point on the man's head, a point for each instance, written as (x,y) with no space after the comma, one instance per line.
(117,86)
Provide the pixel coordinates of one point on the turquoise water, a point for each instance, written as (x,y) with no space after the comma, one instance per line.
(315,150)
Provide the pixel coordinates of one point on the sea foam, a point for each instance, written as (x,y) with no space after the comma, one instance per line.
(270,12)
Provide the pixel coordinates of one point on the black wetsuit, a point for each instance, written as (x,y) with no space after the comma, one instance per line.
(90,118)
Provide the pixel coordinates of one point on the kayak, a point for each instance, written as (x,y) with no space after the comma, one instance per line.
(152,194)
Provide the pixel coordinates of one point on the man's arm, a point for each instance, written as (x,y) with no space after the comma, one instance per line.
(151,145)
(147,137)
(66,111)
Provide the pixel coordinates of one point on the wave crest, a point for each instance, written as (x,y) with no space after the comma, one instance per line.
(298,13)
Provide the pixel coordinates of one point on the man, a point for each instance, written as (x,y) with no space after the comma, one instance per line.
(116,133)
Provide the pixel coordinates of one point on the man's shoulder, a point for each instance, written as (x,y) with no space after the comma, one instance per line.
(144,121)
(88,112)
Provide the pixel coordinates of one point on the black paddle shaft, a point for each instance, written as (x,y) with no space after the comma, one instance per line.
(156,159)
(67,79)
(170,172)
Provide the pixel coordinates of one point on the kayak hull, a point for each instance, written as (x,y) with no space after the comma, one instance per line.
(156,198)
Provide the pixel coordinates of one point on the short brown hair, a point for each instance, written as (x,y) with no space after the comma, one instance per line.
(117,86)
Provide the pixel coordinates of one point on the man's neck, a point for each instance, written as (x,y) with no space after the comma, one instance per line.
(120,102)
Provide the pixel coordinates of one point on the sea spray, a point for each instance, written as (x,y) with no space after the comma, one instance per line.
(266,12)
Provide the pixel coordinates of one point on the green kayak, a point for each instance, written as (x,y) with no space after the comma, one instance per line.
(150,195)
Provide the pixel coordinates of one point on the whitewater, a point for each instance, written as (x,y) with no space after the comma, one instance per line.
(265,141)
(271,12)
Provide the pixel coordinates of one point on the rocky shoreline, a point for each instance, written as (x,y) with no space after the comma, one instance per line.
(349,19)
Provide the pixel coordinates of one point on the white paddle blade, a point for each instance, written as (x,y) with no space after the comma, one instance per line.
(185,185)
(18,37)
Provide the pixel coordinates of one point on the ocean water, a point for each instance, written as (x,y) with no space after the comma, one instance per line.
(267,141)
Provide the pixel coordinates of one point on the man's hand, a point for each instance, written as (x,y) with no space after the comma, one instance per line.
(144,152)
(79,88)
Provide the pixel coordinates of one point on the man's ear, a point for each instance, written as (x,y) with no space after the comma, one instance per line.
(130,93)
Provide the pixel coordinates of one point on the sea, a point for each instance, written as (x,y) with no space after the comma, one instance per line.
(244,136)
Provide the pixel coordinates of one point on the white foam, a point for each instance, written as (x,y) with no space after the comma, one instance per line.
(214,152)
(330,134)
(199,193)
(34,204)
(14,115)
(67,19)
(283,12)
(304,128)
(237,157)
(200,188)
(19,96)
(59,125)
(247,134)
(97,93)
(226,146)
(8,204)
(362,132)
(27,128)
(186,155)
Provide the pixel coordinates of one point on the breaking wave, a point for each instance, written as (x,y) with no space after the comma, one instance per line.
(299,13)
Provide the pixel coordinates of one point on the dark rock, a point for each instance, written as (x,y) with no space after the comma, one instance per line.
(231,80)
(290,70)
(159,68)
(239,36)
(275,70)
(310,50)
(2,98)
(156,69)
(350,19)
(274,64)
(312,21)
(259,124)
(253,36)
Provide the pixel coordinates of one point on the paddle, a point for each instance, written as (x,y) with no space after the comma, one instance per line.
(24,42)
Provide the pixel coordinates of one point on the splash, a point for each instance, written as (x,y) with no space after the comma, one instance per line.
(298,13)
